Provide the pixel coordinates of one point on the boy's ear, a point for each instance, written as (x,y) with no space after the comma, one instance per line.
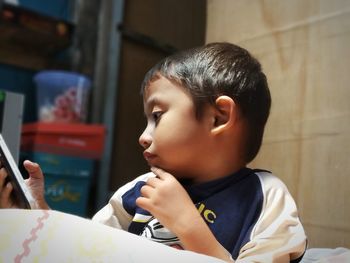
(225,114)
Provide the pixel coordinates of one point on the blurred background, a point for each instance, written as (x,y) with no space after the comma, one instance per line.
(303,47)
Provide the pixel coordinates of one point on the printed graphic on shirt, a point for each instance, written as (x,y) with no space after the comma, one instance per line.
(155,231)
(208,215)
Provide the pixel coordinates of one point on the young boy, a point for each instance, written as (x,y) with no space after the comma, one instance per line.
(206,110)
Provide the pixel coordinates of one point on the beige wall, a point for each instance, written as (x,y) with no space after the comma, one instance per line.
(304,47)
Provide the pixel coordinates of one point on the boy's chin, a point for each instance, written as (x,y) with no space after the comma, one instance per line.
(180,176)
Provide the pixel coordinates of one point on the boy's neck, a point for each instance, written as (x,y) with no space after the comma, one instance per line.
(214,174)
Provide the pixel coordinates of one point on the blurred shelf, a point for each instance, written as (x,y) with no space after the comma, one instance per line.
(29,39)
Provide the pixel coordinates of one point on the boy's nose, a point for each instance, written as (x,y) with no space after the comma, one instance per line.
(145,140)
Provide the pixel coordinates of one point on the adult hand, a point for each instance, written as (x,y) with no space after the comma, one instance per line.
(165,198)
(35,183)
(5,190)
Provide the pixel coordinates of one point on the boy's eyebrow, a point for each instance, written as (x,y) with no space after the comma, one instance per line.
(150,102)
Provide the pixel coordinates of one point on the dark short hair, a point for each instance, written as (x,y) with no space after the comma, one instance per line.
(217,69)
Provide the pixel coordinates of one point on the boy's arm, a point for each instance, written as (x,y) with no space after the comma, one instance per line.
(197,237)
(165,198)
(114,214)
(278,235)
(111,214)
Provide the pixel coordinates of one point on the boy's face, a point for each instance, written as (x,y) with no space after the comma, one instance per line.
(174,139)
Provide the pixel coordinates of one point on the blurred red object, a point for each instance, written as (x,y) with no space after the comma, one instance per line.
(80,140)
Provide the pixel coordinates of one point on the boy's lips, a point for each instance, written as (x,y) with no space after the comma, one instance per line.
(148,156)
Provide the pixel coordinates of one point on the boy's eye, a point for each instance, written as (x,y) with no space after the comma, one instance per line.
(156,115)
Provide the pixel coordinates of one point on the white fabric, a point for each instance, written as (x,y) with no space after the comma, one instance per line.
(327,255)
(51,236)
(278,233)
(114,214)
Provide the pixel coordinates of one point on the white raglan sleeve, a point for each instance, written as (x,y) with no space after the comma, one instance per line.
(113,214)
(278,235)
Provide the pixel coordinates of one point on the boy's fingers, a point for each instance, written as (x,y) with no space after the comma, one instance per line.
(142,202)
(161,174)
(155,170)
(146,191)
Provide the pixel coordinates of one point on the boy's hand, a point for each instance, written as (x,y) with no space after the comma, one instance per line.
(165,198)
(35,183)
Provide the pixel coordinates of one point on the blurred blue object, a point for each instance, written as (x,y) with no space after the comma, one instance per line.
(61,9)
